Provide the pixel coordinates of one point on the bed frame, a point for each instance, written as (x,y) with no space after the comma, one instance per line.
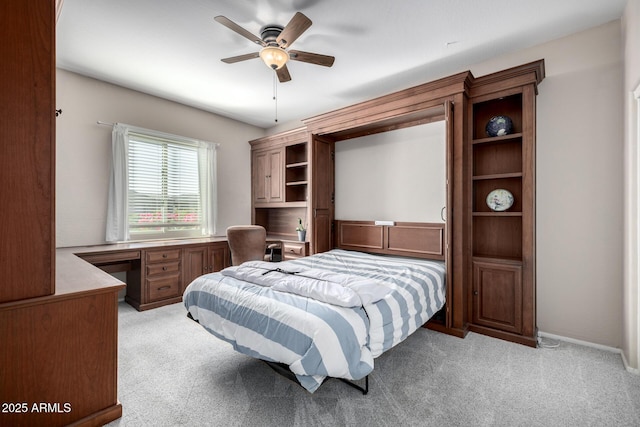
(410,239)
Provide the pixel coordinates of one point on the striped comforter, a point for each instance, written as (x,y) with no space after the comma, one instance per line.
(314,338)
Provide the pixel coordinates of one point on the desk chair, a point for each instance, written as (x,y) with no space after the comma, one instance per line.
(248,243)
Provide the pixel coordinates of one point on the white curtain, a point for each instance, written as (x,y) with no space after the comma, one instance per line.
(118,208)
(207,173)
(58,9)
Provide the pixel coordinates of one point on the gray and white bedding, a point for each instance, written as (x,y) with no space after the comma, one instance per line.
(325,315)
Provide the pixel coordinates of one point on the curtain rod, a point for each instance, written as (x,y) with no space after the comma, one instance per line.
(216,144)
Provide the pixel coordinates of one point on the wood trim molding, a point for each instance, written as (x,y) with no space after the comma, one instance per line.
(285,138)
(530,73)
(418,102)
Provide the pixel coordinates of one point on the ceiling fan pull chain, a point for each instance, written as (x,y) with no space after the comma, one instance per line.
(275,94)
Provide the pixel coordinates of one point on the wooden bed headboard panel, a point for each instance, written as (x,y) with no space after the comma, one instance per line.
(414,239)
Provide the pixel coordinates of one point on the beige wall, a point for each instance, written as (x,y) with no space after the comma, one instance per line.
(83,151)
(631,290)
(579,195)
(375,173)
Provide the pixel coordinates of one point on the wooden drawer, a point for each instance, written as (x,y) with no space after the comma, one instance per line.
(163,255)
(294,250)
(163,268)
(163,287)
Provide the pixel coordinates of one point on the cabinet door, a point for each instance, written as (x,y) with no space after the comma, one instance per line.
(260,176)
(268,184)
(322,194)
(196,263)
(276,169)
(199,260)
(28,149)
(219,257)
(497,293)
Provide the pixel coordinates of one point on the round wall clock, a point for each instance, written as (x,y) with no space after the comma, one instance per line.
(500,200)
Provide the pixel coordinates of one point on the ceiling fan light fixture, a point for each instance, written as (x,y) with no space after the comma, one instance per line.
(274,57)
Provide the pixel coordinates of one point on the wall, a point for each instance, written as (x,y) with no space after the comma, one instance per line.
(631,312)
(579,183)
(374,172)
(83,151)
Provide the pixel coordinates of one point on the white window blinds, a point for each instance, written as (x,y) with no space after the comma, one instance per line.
(168,182)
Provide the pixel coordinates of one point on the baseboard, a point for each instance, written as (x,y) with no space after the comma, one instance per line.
(627,367)
(579,342)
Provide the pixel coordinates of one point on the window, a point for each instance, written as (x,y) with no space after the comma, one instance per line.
(162,186)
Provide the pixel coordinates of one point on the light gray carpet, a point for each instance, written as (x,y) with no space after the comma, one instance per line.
(172,372)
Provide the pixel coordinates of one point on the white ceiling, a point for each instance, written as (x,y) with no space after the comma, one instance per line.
(172,49)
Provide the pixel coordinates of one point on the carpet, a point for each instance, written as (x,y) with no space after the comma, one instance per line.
(172,372)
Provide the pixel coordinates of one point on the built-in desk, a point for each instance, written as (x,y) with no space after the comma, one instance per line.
(158,271)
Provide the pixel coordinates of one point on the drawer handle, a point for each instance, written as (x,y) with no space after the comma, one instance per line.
(164,268)
(291,250)
(164,255)
(162,288)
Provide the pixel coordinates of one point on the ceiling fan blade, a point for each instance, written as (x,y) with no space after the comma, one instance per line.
(238,29)
(283,74)
(239,58)
(298,25)
(312,58)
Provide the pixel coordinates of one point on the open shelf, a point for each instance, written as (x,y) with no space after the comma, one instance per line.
(482,188)
(510,106)
(497,236)
(502,157)
(296,170)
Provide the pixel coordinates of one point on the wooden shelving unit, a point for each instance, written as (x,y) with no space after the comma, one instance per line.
(502,258)
(288,177)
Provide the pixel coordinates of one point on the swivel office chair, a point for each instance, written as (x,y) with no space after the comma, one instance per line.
(248,243)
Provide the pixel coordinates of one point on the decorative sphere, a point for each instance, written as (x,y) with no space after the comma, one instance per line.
(499,125)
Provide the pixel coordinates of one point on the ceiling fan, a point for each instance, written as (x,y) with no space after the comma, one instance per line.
(275,41)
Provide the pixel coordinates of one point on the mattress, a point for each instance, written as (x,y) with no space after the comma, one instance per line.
(317,337)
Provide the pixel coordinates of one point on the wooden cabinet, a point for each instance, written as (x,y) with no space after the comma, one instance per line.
(159,280)
(502,242)
(58,314)
(62,352)
(290,153)
(267,172)
(203,259)
(27,84)
(497,295)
